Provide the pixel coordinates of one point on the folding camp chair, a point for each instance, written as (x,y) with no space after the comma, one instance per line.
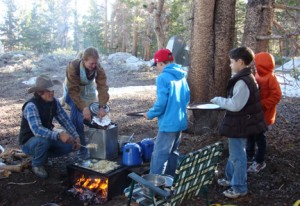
(195,171)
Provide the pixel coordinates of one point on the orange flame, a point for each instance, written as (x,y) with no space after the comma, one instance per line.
(98,185)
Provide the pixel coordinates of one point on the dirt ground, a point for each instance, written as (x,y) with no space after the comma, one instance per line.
(278,184)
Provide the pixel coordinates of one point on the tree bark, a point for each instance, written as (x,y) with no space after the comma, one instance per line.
(76,30)
(259,22)
(212,38)
(135,40)
(159,24)
(135,35)
(147,41)
(112,31)
(105,29)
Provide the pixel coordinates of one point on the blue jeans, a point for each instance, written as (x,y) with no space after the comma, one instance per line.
(165,153)
(40,149)
(76,117)
(236,168)
(260,141)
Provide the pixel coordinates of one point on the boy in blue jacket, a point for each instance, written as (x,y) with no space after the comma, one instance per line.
(172,98)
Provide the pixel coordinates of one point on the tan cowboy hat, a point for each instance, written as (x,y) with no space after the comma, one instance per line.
(43,83)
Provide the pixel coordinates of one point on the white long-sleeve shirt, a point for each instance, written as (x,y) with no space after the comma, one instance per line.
(238,100)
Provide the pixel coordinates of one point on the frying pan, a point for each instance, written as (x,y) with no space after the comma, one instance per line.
(136,114)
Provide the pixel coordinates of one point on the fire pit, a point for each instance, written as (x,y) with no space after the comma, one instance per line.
(94,187)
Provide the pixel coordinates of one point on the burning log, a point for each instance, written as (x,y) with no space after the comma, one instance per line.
(90,189)
(103,185)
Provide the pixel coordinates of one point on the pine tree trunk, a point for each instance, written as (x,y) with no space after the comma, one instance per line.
(76,30)
(212,38)
(158,25)
(147,45)
(135,35)
(105,29)
(135,40)
(258,21)
(112,32)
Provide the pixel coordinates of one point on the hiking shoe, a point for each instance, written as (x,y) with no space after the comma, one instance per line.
(256,167)
(40,172)
(223,182)
(233,194)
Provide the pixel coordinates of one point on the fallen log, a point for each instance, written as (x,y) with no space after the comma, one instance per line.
(10,154)
(15,168)
(12,168)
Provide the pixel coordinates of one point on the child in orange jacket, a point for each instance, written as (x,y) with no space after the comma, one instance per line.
(270,95)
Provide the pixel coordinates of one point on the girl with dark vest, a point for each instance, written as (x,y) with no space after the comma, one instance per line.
(243,118)
(85,78)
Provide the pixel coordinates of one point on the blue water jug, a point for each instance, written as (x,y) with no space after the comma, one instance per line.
(147,146)
(132,154)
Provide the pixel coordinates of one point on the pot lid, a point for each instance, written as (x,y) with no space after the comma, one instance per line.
(94,108)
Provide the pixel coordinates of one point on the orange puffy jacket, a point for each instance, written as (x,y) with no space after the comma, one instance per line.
(270,93)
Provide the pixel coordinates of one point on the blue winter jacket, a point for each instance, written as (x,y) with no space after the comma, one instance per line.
(172,98)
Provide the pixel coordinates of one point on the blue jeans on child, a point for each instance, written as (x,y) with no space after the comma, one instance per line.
(40,149)
(236,168)
(165,153)
(76,117)
(260,140)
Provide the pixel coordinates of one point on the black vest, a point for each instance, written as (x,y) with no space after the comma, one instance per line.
(250,120)
(47,110)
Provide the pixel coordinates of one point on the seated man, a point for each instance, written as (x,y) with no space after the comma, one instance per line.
(37,137)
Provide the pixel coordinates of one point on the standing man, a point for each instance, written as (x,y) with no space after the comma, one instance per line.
(85,78)
(37,137)
(172,98)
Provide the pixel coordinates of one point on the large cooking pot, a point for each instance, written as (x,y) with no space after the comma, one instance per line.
(147,146)
(155,179)
(132,154)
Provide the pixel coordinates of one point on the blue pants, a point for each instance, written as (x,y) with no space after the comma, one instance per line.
(40,149)
(165,153)
(236,168)
(260,141)
(76,117)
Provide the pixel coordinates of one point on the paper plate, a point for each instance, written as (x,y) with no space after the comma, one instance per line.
(203,106)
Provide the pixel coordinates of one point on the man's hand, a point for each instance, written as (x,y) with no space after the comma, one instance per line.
(101,113)
(76,143)
(145,115)
(66,138)
(87,114)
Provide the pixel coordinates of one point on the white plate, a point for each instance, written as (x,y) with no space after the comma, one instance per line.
(203,106)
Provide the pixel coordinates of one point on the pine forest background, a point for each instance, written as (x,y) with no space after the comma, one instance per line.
(55,26)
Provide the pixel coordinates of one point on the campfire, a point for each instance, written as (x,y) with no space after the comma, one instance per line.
(94,187)
(91,189)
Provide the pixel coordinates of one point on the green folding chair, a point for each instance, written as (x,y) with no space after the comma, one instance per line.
(194,173)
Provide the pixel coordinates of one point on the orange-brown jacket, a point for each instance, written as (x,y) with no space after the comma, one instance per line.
(270,92)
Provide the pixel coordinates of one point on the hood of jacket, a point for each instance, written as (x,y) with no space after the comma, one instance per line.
(175,70)
(264,63)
